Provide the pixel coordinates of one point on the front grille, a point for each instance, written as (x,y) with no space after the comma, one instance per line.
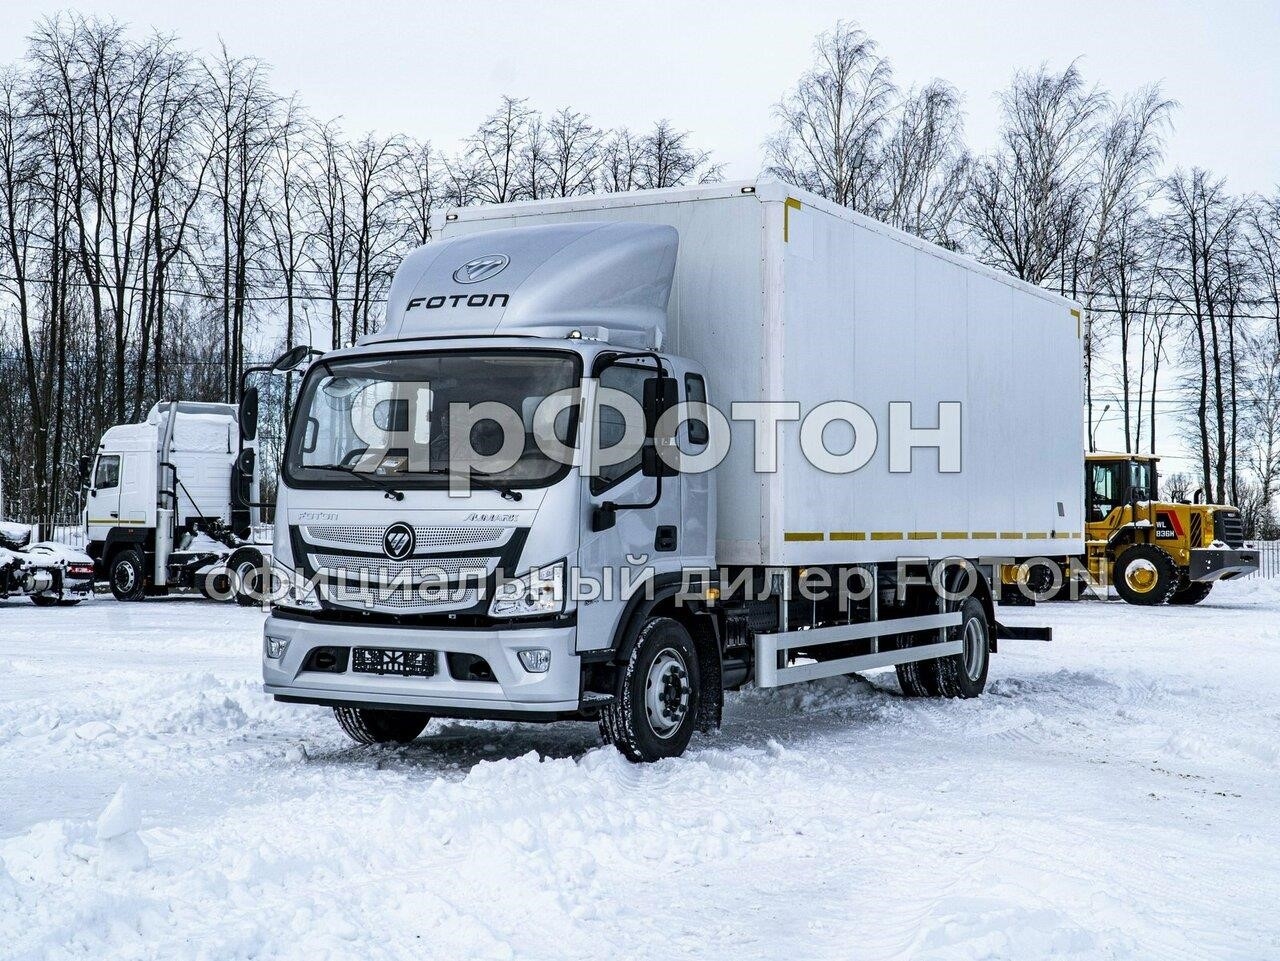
(369,537)
(1228,527)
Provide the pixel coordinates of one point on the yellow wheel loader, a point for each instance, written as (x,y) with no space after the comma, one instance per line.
(1152,552)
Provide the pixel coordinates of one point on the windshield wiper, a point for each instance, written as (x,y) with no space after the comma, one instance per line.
(369,479)
(480,479)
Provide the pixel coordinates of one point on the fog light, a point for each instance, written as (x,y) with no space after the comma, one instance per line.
(275,646)
(536,660)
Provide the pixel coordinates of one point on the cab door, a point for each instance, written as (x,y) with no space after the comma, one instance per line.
(102,509)
(642,540)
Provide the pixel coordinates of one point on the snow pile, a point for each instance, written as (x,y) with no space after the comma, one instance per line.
(120,848)
(1112,796)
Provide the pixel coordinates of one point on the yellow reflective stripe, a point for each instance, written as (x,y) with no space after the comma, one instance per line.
(954,535)
(1037,535)
(802,536)
(1010,536)
(790,205)
(886,535)
(847,536)
(922,536)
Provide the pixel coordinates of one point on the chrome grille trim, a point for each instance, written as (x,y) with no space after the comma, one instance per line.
(368,537)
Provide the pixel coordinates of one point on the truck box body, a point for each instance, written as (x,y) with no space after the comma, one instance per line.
(786,297)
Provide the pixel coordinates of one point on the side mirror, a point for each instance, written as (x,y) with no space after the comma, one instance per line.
(660,395)
(86,462)
(242,478)
(249,413)
(291,359)
(652,464)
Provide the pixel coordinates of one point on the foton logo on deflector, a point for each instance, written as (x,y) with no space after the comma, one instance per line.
(481,269)
(458,300)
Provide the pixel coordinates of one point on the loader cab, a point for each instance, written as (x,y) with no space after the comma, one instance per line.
(1114,481)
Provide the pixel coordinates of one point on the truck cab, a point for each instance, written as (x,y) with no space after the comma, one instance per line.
(1155,551)
(382,521)
(159,501)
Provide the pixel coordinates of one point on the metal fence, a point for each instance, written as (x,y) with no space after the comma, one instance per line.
(65,528)
(1268,559)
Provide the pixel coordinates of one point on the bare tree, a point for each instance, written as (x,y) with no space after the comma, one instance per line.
(925,166)
(1202,230)
(831,126)
(573,153)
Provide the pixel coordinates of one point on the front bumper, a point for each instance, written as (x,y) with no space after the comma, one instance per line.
(1222,563)
(514,692)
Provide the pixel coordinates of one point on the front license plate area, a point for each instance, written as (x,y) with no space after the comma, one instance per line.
(379,660)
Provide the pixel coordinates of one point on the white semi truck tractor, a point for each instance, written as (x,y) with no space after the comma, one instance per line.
(609,457)
(166,501)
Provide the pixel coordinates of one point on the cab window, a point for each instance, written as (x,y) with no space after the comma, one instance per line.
(107,472)
(695,392)
(630,380)
(1105,493)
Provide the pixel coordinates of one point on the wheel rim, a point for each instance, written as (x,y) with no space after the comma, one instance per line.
(124,577)
(1141,576)
(244,577)
(666,692)
(975,647)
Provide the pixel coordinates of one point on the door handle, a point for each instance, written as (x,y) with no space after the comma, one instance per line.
(115,514)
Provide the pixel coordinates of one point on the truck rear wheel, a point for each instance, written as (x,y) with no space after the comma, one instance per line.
(1145,575)
(957,675)
(656,705)
(369,726)
(1192,593)
(127,576)
(247,577)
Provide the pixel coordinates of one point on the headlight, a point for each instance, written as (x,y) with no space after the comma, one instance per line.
(290,589)
(541,591)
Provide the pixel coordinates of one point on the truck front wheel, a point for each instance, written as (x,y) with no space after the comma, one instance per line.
(1145,575)
(127,576)
(656,705)
(369,726)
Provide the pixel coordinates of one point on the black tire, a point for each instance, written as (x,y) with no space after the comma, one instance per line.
(1145,575)
(957,675)
(655,708)
(919,678)
(215,586)
(43,600)
(1192,593)
(368,726)
(965,674)
(127,576)
(246,577)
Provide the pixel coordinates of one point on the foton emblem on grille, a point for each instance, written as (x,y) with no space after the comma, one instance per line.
(399,541)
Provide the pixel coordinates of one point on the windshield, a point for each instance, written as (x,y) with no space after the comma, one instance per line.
(413,419)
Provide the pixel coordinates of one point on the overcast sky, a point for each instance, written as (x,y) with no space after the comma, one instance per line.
(433,69)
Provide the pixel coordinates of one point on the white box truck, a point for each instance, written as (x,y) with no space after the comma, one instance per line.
(895,420)
(161,506)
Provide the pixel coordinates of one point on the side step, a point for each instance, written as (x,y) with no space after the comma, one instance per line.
(768,646)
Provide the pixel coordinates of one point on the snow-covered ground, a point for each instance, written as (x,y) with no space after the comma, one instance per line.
(1114,795)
